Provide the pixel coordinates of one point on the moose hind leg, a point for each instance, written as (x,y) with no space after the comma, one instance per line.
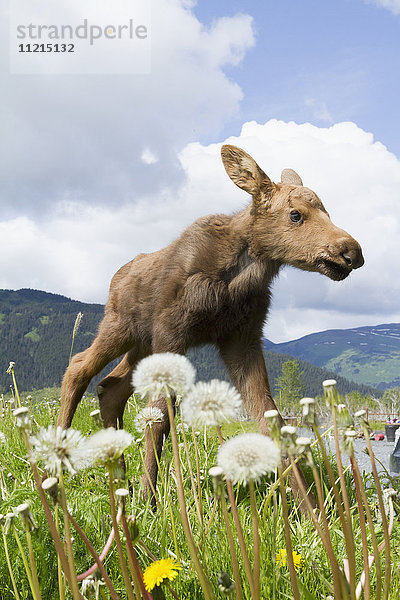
(114,390)
(109,344)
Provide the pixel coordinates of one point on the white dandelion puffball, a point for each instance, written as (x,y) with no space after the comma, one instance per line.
(147,417)
(60,450)
(248,456)
(163,373)
(107,445)
(211,403)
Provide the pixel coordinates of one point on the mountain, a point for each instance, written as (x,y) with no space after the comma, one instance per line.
(369,355)
(36,331)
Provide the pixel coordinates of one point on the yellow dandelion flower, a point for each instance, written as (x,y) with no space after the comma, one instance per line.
(281,559)
(158,571)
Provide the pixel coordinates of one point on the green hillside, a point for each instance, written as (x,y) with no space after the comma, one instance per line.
(36,329)
(369,355)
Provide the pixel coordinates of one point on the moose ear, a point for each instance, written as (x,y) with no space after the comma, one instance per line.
(291,177)
(243,170)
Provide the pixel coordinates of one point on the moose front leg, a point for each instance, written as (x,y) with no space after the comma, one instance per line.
(246,367)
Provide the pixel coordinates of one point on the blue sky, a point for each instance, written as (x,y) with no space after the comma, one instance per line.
(318,61)
(98,168)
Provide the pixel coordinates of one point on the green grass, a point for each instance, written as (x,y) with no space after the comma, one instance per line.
(89,502)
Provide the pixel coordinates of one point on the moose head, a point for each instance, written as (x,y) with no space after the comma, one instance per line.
(290,223)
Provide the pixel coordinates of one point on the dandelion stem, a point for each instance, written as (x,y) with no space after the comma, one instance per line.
(196,454)
(337,576)
(288,539)
(348,531)
(53,530)
(54,533)
(25,561)
(358,485)
(238,525)
(343,593)
(256,540)
(134,563)
(17,397)
(205,585)
(386,581)
(95,556)
(17,597)
(235,565)
(338,501)
(68,539)
(170,510)
(287,470)
(192,481)
(35,579)
(124,569)
(61,583)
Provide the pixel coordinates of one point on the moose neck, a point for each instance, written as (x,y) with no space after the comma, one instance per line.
(249,262)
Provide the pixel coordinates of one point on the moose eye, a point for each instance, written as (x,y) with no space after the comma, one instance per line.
(295,216)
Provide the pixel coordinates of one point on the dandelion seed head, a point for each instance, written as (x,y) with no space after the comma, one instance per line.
(344,419)
(11,366)
(147,417)
(390,492)
(122,496)
(288,430)
(60,450)
(360,413)
(107,445)
(248,456)
(303,441)
(306,401)
(50,485)
(328,383)
(350,433)
(211,403)
(22,419)
(216,474)
(271,414)
(9,521)
(26,516)
(164,372)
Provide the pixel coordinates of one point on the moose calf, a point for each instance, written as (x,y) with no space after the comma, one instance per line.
(211,285)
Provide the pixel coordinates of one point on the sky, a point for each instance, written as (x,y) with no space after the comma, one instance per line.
(97,168)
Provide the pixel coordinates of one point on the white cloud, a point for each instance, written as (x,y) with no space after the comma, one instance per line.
(392,5)
(82,137)
(76,249)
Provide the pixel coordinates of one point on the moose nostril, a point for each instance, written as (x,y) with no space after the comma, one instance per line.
(353,257)
(347,257)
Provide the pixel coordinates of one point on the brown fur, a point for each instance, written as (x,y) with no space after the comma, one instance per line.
(211,285)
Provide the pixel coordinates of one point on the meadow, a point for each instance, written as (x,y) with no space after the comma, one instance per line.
(254,544)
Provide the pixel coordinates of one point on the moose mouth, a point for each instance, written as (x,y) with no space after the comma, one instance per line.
(334,270)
